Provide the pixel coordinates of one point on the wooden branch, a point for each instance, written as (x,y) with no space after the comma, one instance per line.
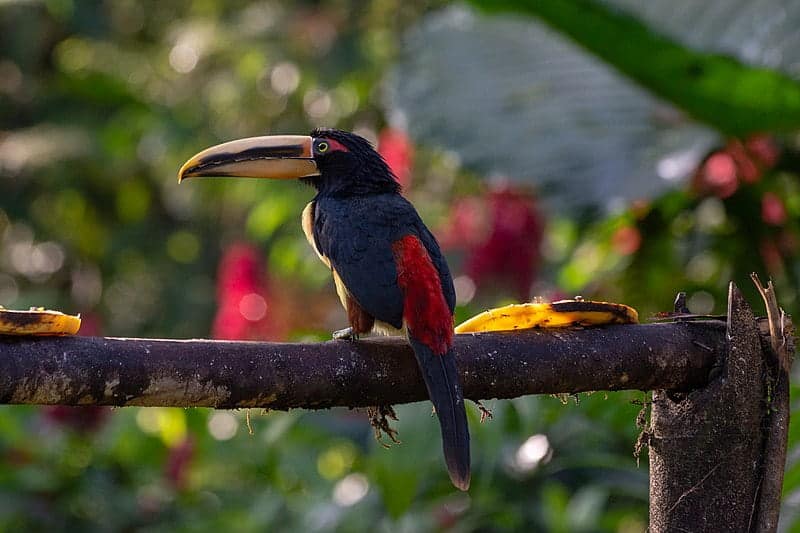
(111,371)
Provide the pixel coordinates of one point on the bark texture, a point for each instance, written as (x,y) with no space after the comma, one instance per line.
(712,460)
(110,371)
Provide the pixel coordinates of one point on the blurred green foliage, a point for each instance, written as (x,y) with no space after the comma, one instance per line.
(100,103)
(713,88)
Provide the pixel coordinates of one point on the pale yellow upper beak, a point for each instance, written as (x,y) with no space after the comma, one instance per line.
(271,156)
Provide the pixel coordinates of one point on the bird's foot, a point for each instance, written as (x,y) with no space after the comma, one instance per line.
(346,334)
(486,413)
(378,419)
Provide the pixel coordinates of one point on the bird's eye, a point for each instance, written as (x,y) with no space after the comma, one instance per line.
(322,147)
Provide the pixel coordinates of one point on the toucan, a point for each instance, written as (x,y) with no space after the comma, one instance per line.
(387,267)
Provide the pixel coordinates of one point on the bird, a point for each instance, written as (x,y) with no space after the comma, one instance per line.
(387,267)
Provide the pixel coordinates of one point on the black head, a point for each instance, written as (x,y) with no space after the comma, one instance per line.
(349,165)
(335,162)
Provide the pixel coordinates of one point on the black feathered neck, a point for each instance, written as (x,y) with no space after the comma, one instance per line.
(359,171)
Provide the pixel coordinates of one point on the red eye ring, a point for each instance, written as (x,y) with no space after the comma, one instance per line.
(325,146)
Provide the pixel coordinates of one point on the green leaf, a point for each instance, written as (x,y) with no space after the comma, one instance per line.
(719,90)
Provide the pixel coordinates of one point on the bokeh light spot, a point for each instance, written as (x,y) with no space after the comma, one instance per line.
(284,78)
(253,307)
(465,289)
(168,423)
(183,58)
(701,303)
(183,246)
(9,291)
(74,54)
(701,267)
(536,449)
(710,214)
(350,490)
(223,425)
(317,103)
(87,286)
(47,257)
(336,460)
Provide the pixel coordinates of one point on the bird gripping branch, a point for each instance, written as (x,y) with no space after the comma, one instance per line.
(389,272)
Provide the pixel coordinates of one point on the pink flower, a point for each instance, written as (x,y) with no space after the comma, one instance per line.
(81,418)
(179,459)
(718,175)
(501,233)
(243,304)
(738,162)
(772,209)
(626,240)
(397,151)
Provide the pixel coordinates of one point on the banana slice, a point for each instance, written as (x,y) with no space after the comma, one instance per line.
(549,315)
(38,321)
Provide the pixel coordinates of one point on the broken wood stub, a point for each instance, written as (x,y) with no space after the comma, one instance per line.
(779,350)
(707,447)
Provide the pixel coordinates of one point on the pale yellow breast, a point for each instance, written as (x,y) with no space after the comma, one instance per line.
(307,221)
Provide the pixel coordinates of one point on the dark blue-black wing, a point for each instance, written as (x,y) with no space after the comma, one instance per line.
(356,235)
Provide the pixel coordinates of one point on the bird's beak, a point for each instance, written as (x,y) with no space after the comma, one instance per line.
(272,156)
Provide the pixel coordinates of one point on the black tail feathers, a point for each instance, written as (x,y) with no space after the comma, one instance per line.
(444,389)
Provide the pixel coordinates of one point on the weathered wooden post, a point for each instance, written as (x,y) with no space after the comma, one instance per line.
(717,453)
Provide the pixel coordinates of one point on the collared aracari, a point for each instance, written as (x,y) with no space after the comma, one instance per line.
(389,272)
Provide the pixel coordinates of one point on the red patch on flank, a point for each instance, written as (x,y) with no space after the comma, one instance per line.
(425,310)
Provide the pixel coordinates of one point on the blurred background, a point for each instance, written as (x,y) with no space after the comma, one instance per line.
(618,150)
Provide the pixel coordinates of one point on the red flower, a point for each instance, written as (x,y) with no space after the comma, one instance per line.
(764,149)
(508,252)
(176,468)
(467,225)
(719,175)
(626,240)
(82,418)
(91,324)
(397,151)
(738,162)
(243,311)
(772,209)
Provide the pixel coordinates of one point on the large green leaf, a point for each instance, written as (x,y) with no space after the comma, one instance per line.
(515,99)
(716,89)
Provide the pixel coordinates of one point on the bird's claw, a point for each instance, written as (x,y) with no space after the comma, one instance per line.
(378,419)
(346,334)
(486,413)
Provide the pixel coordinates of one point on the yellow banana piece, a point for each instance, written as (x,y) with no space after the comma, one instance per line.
(549,315)
(38,321)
